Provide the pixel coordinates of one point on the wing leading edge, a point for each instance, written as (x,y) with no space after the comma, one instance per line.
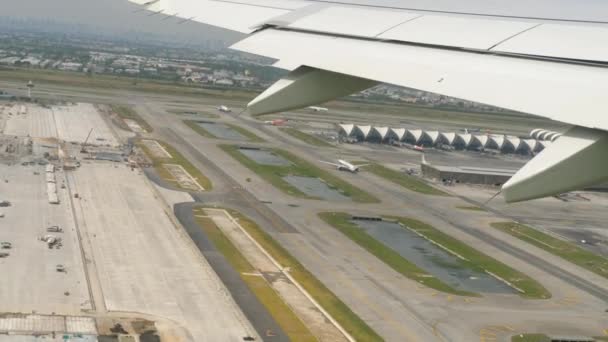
(551,68)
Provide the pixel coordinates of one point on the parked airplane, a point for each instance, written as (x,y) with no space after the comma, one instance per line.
(343,165)
(492,52)
(318,109)
(224,109)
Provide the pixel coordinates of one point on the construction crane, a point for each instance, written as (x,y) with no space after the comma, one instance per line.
(84,144)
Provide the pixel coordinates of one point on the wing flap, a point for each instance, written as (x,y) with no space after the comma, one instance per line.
(529,36)
(240,17)
(351,21)
(470,33)
(561,41)
(564,92)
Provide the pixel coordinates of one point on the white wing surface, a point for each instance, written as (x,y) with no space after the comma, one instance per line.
(548,59)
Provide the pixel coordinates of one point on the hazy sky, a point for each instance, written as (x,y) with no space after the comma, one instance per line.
(114,15)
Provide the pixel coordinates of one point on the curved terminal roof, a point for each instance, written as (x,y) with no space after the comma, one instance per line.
(532,144)
(416,134)
(432,136)
(399,133)
(552,136)
(347,128)
(381,131)
(364,130)
(535,132)
(515,142)
(545,135)
(448,137)
(481,139)
(498,141)
(466,140)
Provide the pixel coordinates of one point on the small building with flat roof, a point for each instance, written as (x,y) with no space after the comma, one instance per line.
(467,174)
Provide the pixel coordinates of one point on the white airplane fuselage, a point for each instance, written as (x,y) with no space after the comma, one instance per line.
(318,109)
(224,109)
(346,166)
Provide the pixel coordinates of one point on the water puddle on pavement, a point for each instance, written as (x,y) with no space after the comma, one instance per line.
(436,261)
(315,187)
(221,131)
(264,157)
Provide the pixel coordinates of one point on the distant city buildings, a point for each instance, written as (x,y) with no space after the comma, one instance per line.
(219,69)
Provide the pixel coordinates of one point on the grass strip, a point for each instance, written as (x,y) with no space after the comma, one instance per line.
(176,158)
(352,323)
(530,338)
(115,82)
(274,175)
(563,249)
(278,309)
(307,138)
(409,182)
(127,112)
(544,338)
(471,207)
(342,222)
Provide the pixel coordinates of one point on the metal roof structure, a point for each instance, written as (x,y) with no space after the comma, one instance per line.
(503,143)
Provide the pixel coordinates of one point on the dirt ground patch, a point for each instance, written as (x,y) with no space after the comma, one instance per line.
(182,177)
(156,149)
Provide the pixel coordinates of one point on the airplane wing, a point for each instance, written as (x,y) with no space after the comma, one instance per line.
(548,59)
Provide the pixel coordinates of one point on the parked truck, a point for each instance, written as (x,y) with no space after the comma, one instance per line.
(54,229)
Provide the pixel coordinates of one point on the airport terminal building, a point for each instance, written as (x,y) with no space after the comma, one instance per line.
(539,138)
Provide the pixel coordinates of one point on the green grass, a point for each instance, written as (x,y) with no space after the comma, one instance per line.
(543,338)
(200,130)
(565,250)
(352,323)
(530,338)
(127,112)
(409,182)
(177,158)
(470,207)
(278,309)
(115,82)
(529,287)
(341,221)
(299,167)
(474,259)
(307,138)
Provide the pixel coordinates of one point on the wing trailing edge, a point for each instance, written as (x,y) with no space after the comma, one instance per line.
(574,161)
